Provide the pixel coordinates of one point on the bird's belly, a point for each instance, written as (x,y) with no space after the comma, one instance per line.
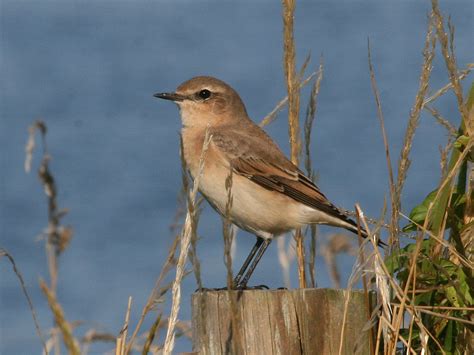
(254,208)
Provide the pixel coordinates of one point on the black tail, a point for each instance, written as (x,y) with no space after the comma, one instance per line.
(355,229)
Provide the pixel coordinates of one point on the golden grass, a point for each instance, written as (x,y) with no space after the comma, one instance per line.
(18,274)
(70,342)
(183,253)
(447,49)
(122,338)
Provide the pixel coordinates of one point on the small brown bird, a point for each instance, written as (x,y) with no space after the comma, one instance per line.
(271,195)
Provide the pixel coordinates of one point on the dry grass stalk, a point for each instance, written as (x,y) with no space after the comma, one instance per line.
(70,342)
(229,238)
(337,244)
(93,336)
(363,265)
(442,121)
(444,153)
(400,311)
(449,247)
(31,144)
(58,237)
(444,316)
(121,343)
(270,117)
(304,67)
(365,282)
(184,246)
(347,296)
(463,74)
(447,49)
(18,274)
(300,257)
(404,161)
(310,116)
(227,231)
(145,345)
(380,116)
(368,219)
(151,335)
(292,83)
(308,125)
(157,291)
(375,263)
(193,209)
(234,341)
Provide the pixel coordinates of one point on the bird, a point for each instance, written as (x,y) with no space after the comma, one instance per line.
(270,195)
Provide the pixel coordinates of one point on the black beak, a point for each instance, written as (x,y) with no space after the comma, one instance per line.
(170,96)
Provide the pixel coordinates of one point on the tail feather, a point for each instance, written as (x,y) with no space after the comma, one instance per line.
(354,228)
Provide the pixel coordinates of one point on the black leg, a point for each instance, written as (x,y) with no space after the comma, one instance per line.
(249,273)
(248,260)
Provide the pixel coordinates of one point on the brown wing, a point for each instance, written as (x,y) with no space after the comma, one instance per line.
(257,157)
(290,183)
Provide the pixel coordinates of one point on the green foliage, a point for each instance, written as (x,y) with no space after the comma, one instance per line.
(438,280)
(455,211)
(418,214)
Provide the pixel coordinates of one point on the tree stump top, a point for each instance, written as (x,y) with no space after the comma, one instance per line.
(299,321)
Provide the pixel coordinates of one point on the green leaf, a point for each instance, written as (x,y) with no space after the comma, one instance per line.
(448,339)
(448,266)
(464,288)
(461,142)
(424,299)
(418,213)
(452,296)
(393,263)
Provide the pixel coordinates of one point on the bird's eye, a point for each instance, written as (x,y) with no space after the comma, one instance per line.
(204,94)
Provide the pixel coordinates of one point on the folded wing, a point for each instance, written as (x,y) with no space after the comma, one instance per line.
(266,165)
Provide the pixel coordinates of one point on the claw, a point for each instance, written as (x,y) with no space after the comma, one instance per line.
(258,287)
(236,288)
(205,289)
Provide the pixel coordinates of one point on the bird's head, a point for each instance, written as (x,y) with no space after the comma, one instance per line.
(205,100)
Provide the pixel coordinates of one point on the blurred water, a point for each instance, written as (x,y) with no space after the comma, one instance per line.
(89,69)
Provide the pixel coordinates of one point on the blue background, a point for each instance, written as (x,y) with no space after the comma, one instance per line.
(89,69)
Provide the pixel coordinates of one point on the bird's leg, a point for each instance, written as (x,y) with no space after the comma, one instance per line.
(243,284)
(247,261)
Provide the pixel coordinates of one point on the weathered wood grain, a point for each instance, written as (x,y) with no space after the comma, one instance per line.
(302,321)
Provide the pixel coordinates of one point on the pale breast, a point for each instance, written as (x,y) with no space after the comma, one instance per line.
(192,148)
(254,208)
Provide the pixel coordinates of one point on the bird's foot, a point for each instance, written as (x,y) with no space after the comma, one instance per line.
(206,289)
(235,288)
(245,287)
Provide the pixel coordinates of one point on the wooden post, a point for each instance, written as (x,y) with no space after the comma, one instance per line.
(301,321)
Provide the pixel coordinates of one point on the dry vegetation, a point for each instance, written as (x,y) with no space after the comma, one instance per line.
(424,282)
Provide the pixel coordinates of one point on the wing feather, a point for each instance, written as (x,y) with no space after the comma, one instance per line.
(269,168)
(255,156)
